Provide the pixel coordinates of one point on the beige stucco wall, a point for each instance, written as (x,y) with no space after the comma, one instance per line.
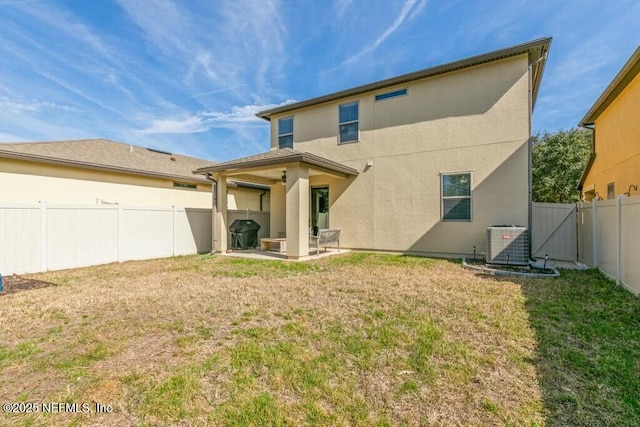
(278,210)
(29,182)
(475,120)
(617,145)
(246,198)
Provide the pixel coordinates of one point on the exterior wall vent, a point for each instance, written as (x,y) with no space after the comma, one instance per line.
(507,244)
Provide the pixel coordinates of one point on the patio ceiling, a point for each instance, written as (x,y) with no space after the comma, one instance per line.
(268,167)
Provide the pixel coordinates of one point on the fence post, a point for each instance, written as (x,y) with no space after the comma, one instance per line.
(594,241)
(119,232)
(619,239)
(173,234)
(44,244)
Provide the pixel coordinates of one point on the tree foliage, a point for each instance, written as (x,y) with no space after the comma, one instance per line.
(558,160)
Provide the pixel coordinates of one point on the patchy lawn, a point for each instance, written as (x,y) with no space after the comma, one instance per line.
(359,339)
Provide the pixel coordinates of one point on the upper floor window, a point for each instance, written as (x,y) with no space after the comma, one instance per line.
(184,185)
(285,132)
(348,123)
(456,197)
(387,95)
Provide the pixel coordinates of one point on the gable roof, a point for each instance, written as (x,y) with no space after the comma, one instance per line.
(536,50)
(279,157)
(103,154)
(628,72)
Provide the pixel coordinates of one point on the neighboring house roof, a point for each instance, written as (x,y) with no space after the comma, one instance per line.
(625,76)
(628,72)
(279,157)
(112,156)
(536,50)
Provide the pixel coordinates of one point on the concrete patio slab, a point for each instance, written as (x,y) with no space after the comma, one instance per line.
(271,255)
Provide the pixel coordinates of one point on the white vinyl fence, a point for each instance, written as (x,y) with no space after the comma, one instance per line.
(609,238)
(554,231)
(41,237)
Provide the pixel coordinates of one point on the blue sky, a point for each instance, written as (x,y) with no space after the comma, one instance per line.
(188,76)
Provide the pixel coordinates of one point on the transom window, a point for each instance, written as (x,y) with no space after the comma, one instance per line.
(387,95)
(285,132)
(348,123)
(184,185)
(456,197)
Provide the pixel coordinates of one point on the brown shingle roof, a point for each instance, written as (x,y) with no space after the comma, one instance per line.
(277,157)
(108,155)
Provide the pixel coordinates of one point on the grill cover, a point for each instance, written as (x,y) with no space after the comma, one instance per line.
(244,234)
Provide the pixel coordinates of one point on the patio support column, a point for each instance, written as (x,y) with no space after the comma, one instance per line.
(221,243)
(277,210)
(297,211)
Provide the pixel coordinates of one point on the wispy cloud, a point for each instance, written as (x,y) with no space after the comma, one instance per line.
(409,8)
(186,124)
(22,106)
(235,118)
(341,8)
(165,25)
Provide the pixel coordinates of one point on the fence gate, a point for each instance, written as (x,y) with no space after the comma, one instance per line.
(554,231)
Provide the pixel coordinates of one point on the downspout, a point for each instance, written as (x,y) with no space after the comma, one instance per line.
(529,163)
(214,213)
(530,152)
(261,196)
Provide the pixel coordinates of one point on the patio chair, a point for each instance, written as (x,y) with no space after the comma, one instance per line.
(325,237)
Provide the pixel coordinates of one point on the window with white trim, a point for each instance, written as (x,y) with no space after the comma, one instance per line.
(456,197)
(348,129)
(285,132)
(611,191)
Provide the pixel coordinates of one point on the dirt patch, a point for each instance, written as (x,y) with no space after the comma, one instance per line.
(12,284)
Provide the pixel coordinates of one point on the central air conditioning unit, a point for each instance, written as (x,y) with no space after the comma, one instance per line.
(507,244)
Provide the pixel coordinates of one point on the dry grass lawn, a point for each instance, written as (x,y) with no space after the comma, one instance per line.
(359,339)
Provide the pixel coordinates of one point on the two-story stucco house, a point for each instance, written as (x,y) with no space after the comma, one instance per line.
(420,163)
(614,166)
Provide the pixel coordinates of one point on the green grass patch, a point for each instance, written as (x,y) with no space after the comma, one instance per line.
(257,410)
(409,387)
(76,366)
(588,333)
(19,353)
(260,268)
(380,259)
(170,399)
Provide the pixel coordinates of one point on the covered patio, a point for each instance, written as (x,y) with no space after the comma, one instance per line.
(288,173)
(277,256)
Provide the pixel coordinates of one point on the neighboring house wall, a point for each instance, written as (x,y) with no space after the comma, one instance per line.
(476,120)
(617,146)
(28,182)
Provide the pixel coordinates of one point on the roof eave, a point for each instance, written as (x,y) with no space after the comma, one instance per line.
(585,171)
(83,165)
(308,158)
(628,72)
(529,47)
